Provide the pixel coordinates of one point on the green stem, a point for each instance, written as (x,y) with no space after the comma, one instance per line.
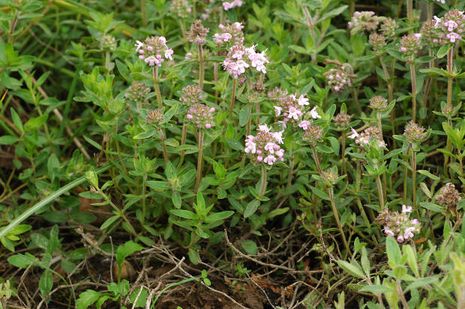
(449,107)
(52,197)
(450,79)
(410,16)
(156,85)
(263,181)
(413,80)
(144,200)
(198,177)
(336,217)
(201,67)
(163,144)
(317,160)
(143,12)
(379,186)
(387,76)
(233,95)
(183,142)
(343,153)
(414,179)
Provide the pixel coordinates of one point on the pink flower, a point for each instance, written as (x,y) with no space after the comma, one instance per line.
(304,124)
(230,5)
(302,101)
(451,25)
(294,113)
(278,136)
(235,67)
(152,49)
(169,54)
(314,113)
(221,38)
(270,147)
(139,45)
(406,209)
(258,60)
(270,159)
(354,134)
(264,147)
(453,37)
(388,232)
(264,128)
(278,110)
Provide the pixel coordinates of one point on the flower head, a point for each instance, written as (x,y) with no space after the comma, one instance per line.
(378,103)
(192,94)
(398,224)
(155,116)
(228,5)
(414,133)
(364,21)
(340,77)
(342,120)
(201,116)
(446,30)
(448,196)
(265,147)
(410,44)
(368,136)
(240,58)
(137,93)
(198,33)
(229,33)
(154,50)
(181,8)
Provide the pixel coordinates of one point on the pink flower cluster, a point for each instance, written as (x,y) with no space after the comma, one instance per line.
(451,27)
(229,33)
(240,58)
(265,146)
(399,225)
(292,108)
(368,136)
(227,5)
(201,116)
(410,44)
(339,77)
(154,50)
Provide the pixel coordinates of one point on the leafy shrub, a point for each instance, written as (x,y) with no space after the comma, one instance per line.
(312,150)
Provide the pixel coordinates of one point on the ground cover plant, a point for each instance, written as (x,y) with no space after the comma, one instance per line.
(232,154)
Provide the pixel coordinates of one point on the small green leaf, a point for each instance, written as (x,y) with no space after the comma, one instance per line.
(125,250)
(46,282)
(433,207)
(352,269)
(443,50)
(411,259)
(251,208)
(36,122)
(87,299)
(22,260)
(429,175)
(219,216)
(393,252)
(249,246)
(194,256)
(8,140)
(185,214)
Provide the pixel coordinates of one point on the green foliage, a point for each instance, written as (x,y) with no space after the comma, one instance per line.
(108,165)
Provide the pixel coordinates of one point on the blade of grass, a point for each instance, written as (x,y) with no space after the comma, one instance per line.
(34,209)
